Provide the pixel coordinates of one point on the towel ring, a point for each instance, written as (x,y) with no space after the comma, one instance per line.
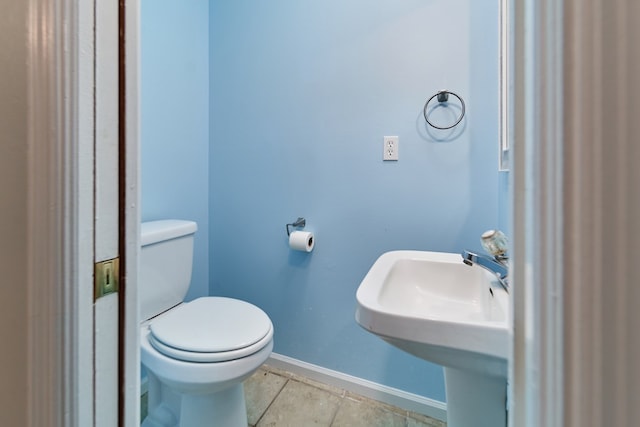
(443,96)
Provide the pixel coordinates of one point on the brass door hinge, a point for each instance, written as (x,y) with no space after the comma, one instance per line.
(107,277)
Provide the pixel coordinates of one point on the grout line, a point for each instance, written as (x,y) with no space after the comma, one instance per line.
(319,385)
(272,400)
(291,377)
(335,414)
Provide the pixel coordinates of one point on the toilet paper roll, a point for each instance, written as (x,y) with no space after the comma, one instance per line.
(302,241)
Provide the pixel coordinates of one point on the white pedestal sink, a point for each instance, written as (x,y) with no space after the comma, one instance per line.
(435,307)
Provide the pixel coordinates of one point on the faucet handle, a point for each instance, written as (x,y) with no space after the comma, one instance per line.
(495,243)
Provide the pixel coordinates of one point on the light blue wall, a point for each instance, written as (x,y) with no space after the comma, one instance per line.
(175,120)
(302,93)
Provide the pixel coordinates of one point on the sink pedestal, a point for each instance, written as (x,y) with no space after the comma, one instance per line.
(475,399)
(432,305)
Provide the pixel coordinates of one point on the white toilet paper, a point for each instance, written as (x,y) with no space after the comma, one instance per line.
(302,241)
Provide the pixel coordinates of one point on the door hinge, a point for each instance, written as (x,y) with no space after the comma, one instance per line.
(107,277)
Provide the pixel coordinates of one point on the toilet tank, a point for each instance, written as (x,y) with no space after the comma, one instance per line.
(166,260)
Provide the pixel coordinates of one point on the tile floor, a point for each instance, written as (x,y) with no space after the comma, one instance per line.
(277,398)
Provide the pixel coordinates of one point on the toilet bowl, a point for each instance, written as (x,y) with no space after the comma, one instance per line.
(197,353)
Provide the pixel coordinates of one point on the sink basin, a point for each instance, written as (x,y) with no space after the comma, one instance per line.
(435,307)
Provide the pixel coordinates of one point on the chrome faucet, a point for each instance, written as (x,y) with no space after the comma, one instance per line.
(496,265)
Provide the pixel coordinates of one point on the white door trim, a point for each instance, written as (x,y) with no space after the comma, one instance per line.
(60,215)
(61,49)
(577,204)
(538,215)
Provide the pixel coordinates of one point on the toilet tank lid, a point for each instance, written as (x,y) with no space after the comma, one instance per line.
(157,231)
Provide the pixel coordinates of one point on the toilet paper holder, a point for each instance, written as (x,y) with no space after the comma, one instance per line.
(300,222)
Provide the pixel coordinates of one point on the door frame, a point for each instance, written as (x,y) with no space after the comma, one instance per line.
(576,204)
(536,371)
(59,215)
(61,81)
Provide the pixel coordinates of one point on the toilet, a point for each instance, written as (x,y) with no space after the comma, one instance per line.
(198,353)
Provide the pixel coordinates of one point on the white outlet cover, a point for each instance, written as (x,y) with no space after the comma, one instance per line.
(390,148)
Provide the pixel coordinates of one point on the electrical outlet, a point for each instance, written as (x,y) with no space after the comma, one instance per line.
(390,148)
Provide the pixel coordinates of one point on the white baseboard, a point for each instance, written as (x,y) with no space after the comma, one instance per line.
(392,396)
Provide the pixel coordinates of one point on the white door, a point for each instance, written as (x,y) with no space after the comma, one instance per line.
(107,213)
(113,386)
(116,341)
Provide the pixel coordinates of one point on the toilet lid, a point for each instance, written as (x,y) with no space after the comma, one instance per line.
(211,325)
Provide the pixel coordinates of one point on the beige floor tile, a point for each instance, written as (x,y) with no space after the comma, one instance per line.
(335,390)
(301,405)
(376,403)
(357,413)
(260,390)
(313,383)
(417,420)
(276,371)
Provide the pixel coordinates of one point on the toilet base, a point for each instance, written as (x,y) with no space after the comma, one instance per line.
(169,409)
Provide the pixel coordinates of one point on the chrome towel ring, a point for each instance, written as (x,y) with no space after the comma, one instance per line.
(443,96)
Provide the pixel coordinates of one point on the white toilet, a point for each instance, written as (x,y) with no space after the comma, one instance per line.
(197,354)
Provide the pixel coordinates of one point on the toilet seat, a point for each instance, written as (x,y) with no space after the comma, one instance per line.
(211,329)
